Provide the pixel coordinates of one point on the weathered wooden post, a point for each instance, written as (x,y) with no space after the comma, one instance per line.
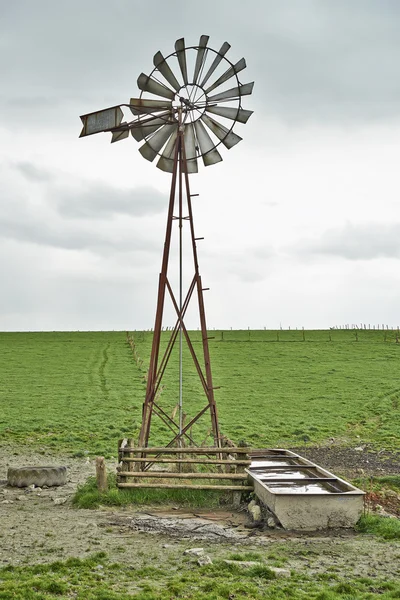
(237,496)
(101,474)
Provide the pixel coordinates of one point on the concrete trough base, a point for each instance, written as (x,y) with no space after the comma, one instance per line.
(302,495)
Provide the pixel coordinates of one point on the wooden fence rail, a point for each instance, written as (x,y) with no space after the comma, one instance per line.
(186,450)
(137,468)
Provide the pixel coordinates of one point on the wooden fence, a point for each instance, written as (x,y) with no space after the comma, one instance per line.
(136,468)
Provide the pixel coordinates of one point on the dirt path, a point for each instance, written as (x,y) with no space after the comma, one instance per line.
(42,526)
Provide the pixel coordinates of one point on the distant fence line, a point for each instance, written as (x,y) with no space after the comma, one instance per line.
(283,335)
(369,327)
(138,360)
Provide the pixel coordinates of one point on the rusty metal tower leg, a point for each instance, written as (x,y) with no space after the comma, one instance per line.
(162,283)
(157,368)
(203,325)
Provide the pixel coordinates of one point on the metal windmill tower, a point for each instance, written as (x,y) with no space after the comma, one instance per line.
(173,117)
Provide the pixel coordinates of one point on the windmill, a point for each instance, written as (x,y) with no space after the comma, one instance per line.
(175,118)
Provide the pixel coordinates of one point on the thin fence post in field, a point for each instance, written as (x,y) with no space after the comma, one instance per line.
(101,474)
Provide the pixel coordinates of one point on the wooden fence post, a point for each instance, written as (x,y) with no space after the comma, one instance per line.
(101,474)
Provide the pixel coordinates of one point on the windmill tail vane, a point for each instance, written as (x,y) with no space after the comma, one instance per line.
(186,111)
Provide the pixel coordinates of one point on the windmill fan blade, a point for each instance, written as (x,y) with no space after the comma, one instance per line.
(190,149)
(166,164)
(227,137)
(102,120)
(152,147)
(120,135)
(200,57)
(190,141)
(139,106)
(191,166)
(240,65)
(166,161)
(164,68)
(180,51)
(209,153)
(147,84)
(235,114)
(142,130)
(169,150)
(241,90)
(223,50)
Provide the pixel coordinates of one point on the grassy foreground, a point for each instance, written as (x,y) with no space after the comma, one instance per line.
(96,578)
(79,392)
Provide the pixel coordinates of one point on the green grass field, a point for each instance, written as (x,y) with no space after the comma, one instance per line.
(80,392)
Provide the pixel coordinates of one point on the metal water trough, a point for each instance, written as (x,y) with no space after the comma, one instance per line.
(301,494)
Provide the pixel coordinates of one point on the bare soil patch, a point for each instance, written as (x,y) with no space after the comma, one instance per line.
(41,525)
(353,462)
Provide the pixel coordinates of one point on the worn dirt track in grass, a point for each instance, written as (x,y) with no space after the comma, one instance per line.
(36,529)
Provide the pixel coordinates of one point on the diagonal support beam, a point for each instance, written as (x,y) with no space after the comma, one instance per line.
(180,192)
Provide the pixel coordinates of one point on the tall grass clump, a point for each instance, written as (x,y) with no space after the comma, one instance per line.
(387,528)
(88,496)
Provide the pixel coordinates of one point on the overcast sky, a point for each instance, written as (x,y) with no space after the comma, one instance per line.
(301,220)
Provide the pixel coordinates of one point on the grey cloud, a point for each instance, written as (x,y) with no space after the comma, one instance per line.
(324,60)
(93,200)
(32,172)
(57,235)
(314,59)
(248,265)
(42,226)
(43,298)
(356,242)
(98,201)
(263,252)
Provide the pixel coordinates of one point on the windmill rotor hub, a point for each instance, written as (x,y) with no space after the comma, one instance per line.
(192,99)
